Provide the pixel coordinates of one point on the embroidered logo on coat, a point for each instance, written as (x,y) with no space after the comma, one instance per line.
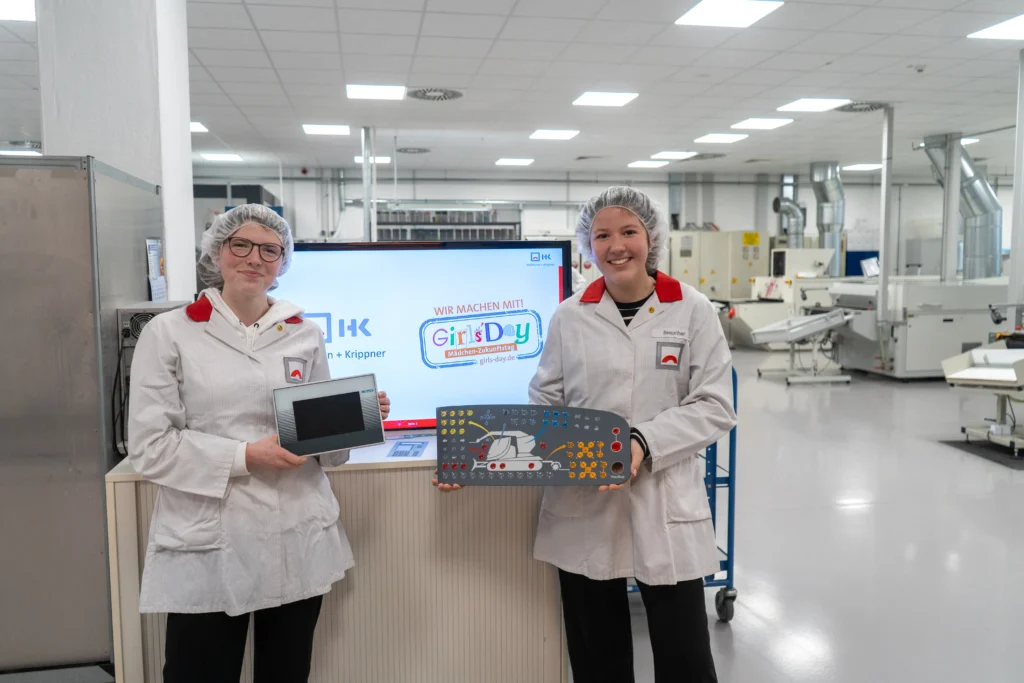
(294,370)
(668,356)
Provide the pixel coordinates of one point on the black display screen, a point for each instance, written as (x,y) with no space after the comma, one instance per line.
(316,418)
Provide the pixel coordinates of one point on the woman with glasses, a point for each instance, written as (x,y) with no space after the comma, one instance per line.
(240,524)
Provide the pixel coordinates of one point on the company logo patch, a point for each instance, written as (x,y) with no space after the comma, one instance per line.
(468,339)
(294,370)
(669,354)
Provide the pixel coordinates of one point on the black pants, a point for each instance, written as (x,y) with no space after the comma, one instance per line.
(600,640)
(208,648)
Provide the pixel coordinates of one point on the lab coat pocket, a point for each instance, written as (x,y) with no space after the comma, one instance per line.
(685,496)
(187,522)
(563,501)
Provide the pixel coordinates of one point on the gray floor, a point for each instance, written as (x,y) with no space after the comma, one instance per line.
(866,550)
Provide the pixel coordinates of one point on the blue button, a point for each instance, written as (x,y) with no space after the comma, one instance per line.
(565,424)
(547,413)
(545,423)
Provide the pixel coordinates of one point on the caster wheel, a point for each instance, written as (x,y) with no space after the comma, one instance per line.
(724,604)
(759,374)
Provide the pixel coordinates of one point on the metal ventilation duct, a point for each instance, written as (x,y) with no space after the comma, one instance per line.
(828,192)
(791,210)
(980,208)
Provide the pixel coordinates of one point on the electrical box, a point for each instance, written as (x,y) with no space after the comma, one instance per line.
(684,256)
(729,262)
(800,262)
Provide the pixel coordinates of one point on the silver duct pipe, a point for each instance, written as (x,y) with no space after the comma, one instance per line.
(791,210)
(828,192)
(980,208)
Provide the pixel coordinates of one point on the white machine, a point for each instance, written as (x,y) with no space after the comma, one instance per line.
(994,369)
(722,265)
(927,322)
(810,333)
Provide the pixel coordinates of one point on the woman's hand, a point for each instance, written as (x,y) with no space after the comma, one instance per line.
(267,454)
(444,487)
(637,452)
(385,404)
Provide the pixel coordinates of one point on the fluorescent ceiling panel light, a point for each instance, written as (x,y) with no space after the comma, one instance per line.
(374,160)
(375,92)
(513,162)
(648,164)
(673,156)
(728,13)
(722,138)
(221,157)
(605,99)
(196,127)
(550,134)
(762,124)
(968,141)
(18,10)
(19,153)
(324,129)
(1011,29)
(862,167)
(813,104)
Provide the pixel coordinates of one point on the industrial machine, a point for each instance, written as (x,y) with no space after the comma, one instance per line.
(995,369)
(805,334)
(721,265)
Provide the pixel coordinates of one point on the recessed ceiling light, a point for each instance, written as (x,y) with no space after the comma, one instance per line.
(722,138)
(374,160)
(1011,29)
(813,104)
(18,10)
(513,162)
(375,92)
(196,127)
(728,13)
(862,167)
(968,141)
(324,129)
(221,157)
(674,156)
(648,164)
(762,124)
(552,134)
(605,99)
(19,153)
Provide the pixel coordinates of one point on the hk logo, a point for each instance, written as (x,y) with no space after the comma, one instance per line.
(353,326)
(536,256)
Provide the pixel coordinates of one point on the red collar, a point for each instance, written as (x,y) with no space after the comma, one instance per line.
(202,309)
(667,289)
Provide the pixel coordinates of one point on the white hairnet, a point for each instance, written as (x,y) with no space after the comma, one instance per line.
(637,203)
(226,225)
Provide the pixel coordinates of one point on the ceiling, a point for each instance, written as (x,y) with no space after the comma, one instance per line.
(260,69)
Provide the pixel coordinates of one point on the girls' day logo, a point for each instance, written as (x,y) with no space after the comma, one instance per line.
(467,339)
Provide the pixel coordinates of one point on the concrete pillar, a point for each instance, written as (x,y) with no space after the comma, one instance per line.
(114,84)
(1017,235)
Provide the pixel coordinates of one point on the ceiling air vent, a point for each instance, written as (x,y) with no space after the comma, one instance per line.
(412,150)
(588,158)
(861,107)
(705,156)
(756,161)
(434,94)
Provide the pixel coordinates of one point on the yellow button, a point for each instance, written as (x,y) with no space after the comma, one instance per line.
(462,413)
(580,444)
(572,465)
(444,413)
(651,309)
(604,475)
(593,476)
(572,475)
(462,431)
(590,445)
(469,412)
(600,454)
(280,328)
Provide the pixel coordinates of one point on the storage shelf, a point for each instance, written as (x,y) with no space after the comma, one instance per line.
(446,225)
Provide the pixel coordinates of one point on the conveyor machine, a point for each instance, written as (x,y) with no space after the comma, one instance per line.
(994,369)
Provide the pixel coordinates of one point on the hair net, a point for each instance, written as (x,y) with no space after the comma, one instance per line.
(637,203)
(226,225)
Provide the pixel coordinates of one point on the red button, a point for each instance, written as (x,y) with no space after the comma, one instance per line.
(502,465)
(615,431)
(617,446)
(492,465)
(444,466)
(481,456)
(543,445)
(463,465)
(531,465)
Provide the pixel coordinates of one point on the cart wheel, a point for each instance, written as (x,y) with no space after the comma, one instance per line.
(759,374)
(724,600)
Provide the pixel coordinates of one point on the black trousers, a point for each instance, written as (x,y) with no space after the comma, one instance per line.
(600,640)
(208,648)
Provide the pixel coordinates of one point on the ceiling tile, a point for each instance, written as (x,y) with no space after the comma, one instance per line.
(453,47)
(223,39)
(690,36)
(502,7)
(440,80)
(819,79)
(760,76)
(19,68)
(311,90)
(389,63)
(583,52)
(24,30)
(705,74)
(461,25)
(195,73)
(209,98)
(300,41)
(565,9)
(6,36)
(246,58)
(204,87)
(376,76)
(767,39)
(797,61)
(884,20)
(660,11)
(241,75)
(860,64)
(626,32)
(525,28)
(382,22)
(904,45)
(378,45)
(981,68)
(243,88)
(527,50)
(409,5)
(306,60)
(315,19)
(454,65)
(656,54)
(874,81)
(990,6)
(18,52)
(504,82)
(835,42)
(959,24)
(325,76)
(511,67)
(253,98)
(206,15)
(802,16)
(739,59)
(910,65)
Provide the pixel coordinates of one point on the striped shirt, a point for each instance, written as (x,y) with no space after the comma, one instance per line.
(630,310)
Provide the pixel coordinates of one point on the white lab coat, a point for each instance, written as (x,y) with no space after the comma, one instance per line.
(221,539)
(669,374)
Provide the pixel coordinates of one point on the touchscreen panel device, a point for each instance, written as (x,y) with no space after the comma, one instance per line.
(329,416)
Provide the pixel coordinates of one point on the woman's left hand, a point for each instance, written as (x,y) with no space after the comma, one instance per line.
(385,404)
(637,453)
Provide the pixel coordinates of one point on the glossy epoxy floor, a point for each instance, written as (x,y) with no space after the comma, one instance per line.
(867,551)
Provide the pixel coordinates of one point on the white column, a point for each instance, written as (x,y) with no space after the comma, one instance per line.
(114,85)
(885,243)
(1017,235)
(951,209)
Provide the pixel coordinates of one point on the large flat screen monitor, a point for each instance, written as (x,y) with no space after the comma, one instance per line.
(444,323)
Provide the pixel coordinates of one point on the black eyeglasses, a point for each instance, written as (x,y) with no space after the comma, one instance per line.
(242,247)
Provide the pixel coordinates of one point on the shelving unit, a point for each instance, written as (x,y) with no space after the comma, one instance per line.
(449,225)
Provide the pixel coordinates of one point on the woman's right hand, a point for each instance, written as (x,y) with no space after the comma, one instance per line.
(267,454)
(444,487)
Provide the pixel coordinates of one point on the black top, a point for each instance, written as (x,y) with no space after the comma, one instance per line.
(630,310)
